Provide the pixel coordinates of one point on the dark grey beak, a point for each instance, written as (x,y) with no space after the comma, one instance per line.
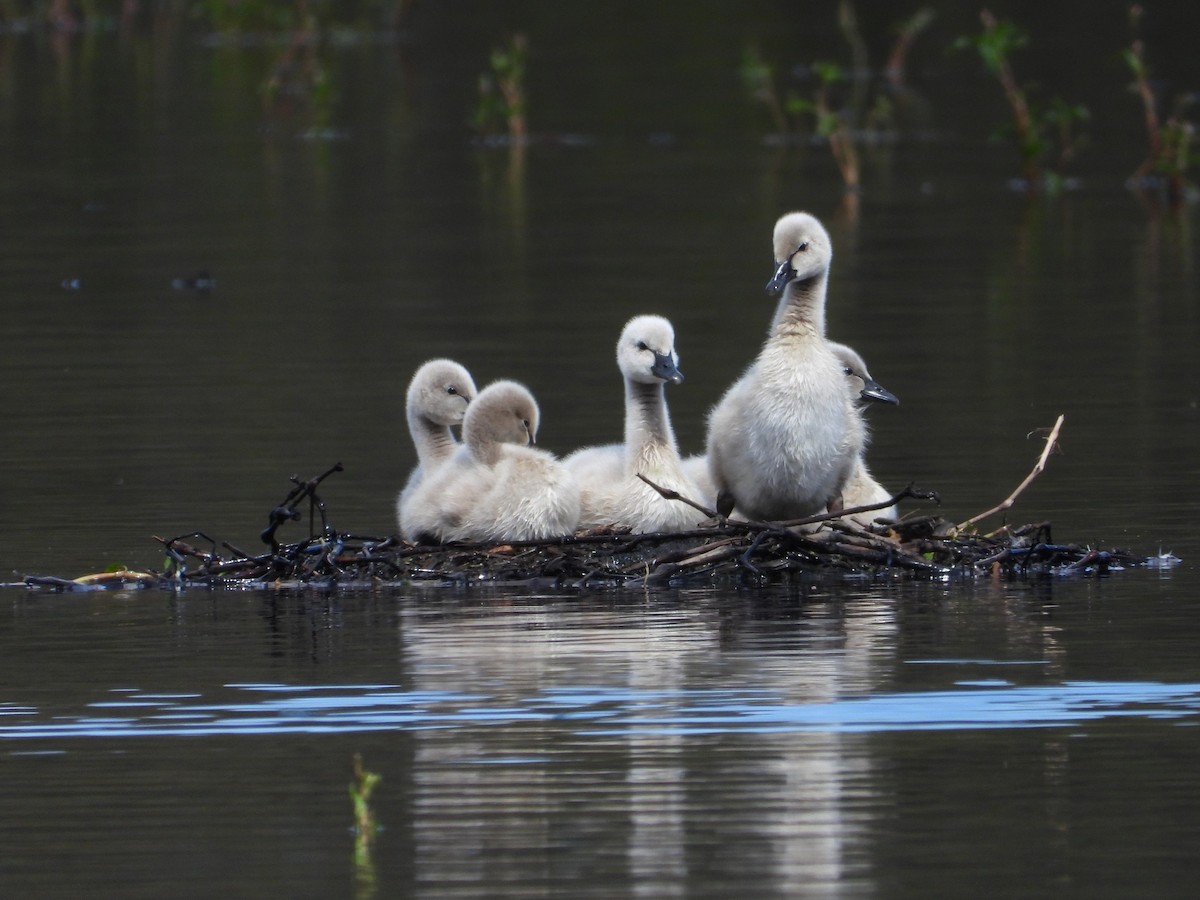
(664,367)
(783,275)
(873,390)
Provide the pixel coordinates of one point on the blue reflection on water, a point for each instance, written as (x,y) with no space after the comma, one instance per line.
(287,709)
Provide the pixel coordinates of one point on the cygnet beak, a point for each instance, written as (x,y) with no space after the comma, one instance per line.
(783,275)
(665,368)
(873,390)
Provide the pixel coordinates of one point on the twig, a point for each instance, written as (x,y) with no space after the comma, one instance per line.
(286,511)
(1037,470)
(672,494)
(910,491)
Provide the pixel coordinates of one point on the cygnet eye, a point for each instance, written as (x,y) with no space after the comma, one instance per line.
(451,389)
(847,370)
(641,345)
(802,247)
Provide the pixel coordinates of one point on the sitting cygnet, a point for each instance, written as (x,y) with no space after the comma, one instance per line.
(855,368)
(861,488)
(695,467)
(437,399)
(783,439)
(494,487)
(611,492)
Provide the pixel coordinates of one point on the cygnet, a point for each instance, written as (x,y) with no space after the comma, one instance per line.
(783,439)
(861,488)
(437,398)
(612,493)
(495,487)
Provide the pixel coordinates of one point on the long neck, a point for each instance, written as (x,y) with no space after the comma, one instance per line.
(486,450)
(801,310)
(434,442)
(647,426)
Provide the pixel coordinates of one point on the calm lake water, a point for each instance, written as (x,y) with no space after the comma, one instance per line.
(865,739)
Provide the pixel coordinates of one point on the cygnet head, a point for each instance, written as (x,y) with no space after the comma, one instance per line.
(440,391)
(504,412)
(802,248)
(646,351)
(856,369)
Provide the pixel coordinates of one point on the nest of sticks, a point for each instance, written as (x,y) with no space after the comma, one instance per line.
(926,546)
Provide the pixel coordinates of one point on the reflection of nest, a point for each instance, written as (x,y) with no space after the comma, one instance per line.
(752,552)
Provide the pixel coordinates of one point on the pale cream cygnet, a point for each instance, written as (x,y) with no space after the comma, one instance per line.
(783,439)
(611,492)
(437,399)
(495,487)
(861,488)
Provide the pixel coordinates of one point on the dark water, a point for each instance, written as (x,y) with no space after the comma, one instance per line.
(863,739)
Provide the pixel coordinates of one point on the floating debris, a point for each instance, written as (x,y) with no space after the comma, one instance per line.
(1163,560)
(202,281)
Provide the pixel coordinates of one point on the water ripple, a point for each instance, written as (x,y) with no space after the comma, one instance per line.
(287,709)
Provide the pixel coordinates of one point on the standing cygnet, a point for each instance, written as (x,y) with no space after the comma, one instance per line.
(494,487)
(861,488)
(437,398)
(611,492)
(783,439)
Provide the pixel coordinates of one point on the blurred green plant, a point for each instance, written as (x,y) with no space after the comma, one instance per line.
(298,76)
(906,35)
(845,103)
(361,788)
(758,78)
(1170,141)
(502,104)
(1046,138)
(831,124)
(257,15)
(365,829)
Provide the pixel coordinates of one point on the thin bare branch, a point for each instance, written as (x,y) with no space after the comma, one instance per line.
(672,494)
(1037,470)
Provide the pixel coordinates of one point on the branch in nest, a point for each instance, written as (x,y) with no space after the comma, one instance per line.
(671,494)
(1037,470)
(909,492)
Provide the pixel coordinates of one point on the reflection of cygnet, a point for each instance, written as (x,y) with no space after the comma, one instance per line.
(494,487)
(783,439)
(611,493)
(437,398)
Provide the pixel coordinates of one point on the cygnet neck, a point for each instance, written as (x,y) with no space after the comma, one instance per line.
(433,440)
(485,447)
(801,310)
(646,422)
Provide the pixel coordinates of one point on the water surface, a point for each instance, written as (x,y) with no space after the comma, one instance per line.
(873,738)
